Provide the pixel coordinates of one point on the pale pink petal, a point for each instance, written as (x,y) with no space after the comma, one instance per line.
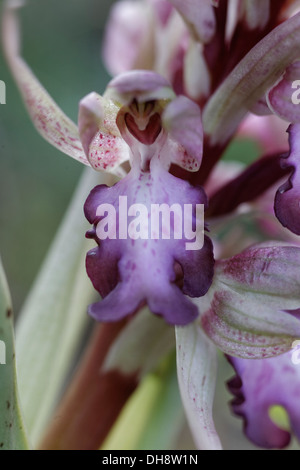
(142,85)
(199,16)
(50,121)
(257,13)
(182,120)
(197,77)
(128,41)
(163,10)
(269,132)
(103,145)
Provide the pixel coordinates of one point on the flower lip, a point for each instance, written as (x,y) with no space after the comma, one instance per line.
(149,134)
(139,85)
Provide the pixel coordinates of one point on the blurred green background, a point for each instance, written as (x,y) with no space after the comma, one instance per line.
(62,44)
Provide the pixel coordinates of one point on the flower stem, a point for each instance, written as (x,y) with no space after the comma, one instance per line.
(93,400)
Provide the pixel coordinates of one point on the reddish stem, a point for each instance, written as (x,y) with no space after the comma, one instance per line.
(94,398)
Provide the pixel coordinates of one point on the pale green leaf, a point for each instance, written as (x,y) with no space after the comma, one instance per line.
(12,431)
(167,416)
(54,317)
(153,416)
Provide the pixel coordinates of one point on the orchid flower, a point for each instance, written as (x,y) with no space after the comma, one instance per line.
(161,129)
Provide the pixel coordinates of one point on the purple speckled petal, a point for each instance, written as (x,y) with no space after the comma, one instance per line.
(142,85)
(49,120)
(182,120)
(261,384)
(146,267)
(284,98)
(246,315)
(287,200)
(199,16)
(100,136)
(90,118)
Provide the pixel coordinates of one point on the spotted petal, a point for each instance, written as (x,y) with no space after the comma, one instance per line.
(182,120)
(50,121)
(128,41)
(101,139)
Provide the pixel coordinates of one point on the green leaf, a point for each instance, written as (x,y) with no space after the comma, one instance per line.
(134,418)
(153,417)
(53,319)
(12,431)
(167,417)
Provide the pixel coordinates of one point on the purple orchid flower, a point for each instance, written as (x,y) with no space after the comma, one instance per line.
(258,386)
(129,271)
(173,128)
